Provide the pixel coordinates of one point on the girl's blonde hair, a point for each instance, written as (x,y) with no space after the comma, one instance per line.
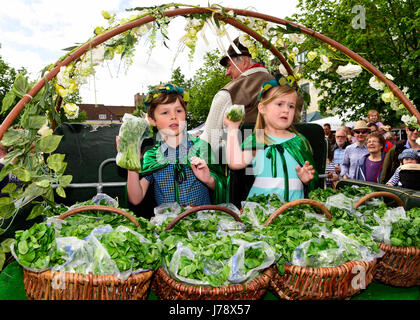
(371,112)
(269,96)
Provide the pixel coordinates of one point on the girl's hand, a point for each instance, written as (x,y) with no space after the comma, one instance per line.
(306,173)
(202,172)
(231,124)
(116,141)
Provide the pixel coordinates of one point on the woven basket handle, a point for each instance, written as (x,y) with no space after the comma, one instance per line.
(200,208)
(293,203)
(98,208)
(379,194)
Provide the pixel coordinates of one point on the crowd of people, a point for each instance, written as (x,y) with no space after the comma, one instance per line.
(371,152)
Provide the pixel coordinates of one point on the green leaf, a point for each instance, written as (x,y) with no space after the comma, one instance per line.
(43,183)
(7,207)
(13,137)
(34,191)
(2,259)
(5,245)
(23,247)
(9,188)
(65,180)
(50,143)
(55,162)
(22,174)
(36,211)
(36,122)
(8,101)
(20,86)
(60,191)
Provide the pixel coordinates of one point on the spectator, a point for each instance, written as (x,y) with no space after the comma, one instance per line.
(391,162)
(369,166)
(339,148)
(350,138)
(406,156)
(247,79)
(355,151)
(375,117)
(389,138)
(331,171)
(372,126)
(329,135)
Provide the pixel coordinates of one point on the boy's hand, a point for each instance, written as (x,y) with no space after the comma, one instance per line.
(231,124)
(202,172)
(306,173)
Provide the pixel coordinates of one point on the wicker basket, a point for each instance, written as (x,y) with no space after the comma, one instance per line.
(400,266)
(167,288)
(307,283)
(57,285)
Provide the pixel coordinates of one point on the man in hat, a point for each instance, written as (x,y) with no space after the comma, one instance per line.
(355,151)
(247,79)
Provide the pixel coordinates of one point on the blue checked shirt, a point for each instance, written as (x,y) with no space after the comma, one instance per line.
(352,154)
(339,155)
(191,190)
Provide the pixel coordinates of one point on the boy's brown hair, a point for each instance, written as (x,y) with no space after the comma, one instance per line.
(164,98)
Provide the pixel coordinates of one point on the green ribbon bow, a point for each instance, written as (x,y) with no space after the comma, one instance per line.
(271,154)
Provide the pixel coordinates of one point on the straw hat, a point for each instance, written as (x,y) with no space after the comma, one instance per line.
(361,125)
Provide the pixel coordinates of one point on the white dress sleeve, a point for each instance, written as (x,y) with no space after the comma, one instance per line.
(213,127)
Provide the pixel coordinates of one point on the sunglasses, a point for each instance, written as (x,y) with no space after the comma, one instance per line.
(412,129)
(361,131)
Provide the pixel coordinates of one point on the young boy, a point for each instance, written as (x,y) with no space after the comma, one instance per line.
(406,157)
(179,166)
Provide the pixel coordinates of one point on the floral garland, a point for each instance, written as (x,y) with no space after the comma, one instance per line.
(32,144)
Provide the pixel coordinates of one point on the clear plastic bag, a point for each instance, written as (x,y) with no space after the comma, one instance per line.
(132,132)
(340,249)
(164,212)
(255,213)
(235,112)
(109,201)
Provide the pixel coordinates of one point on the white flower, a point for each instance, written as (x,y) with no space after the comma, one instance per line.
(376,84)
(349,71)
(326,63)
(71,110)
(45,130)
(297,37)
(283,70)
(418,140)
(405,118)
(389,76)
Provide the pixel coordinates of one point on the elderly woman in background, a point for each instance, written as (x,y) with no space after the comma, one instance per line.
(369,166)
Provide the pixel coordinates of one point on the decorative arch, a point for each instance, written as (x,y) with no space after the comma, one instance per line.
(196,10)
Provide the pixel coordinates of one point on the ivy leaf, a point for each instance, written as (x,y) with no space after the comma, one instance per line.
(9,188)
(45,183)
(65,180)
(5,245)
(36,122)
(33,191)
(22,174)
(7,207)
(20,86)
(60,191)
(8,101)
(36,211)
(50,143)
(55,162)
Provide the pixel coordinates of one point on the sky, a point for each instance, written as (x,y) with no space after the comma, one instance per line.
(33,34)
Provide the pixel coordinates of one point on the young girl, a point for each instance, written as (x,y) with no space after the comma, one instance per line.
(375,117)
(281,157)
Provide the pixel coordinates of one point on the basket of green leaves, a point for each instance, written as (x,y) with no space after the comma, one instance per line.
(84,254)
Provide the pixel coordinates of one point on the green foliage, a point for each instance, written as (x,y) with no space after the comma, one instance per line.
(389,41)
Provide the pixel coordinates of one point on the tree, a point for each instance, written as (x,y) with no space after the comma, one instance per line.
(209,79)
(7,77)
(384,32)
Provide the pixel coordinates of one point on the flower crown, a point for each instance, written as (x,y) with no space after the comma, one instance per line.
(166,88)
(279,80)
